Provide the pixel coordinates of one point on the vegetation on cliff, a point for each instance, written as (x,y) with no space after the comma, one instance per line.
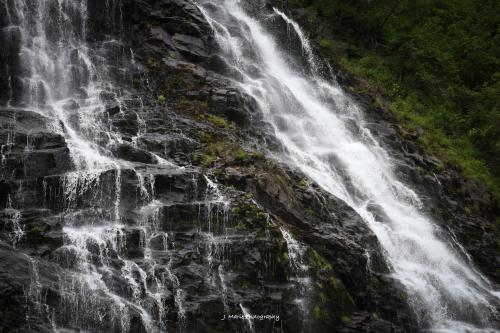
(434,63)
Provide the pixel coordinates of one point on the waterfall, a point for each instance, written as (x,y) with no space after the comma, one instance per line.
(69,84)
(297,256)
(143,245)
(57,75)
(323,134)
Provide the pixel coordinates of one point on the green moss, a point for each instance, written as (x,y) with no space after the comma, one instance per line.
(205,160)
(220,122)
(136,82)
(328,48)
(153,63)
(346,320)
(195,158)
(257,155)
(270,164)
(206,137)
(161,99)
(36,230)
(208,159)
(309,211)
(303,184)
(251,214)
(332,281)
(321,297)
(240,226)
(283,257)
(224,149)
(317,312)
(327,44)
(375,281)
(318,262)
(171,82)
(243,284)
(191,106)
(274,231)
(240,155)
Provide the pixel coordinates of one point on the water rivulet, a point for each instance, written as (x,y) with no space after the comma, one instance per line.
(165,164)
(322,133)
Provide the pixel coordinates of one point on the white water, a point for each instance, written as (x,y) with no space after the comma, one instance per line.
(102,287)
(313,120)
(65,80)
(297,256)
(59,81)
(248,317)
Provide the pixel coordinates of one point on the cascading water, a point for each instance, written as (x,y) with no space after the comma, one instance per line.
(137,246)
(297,254)
(69,84)
(58,75)
(314,122)
(117,264)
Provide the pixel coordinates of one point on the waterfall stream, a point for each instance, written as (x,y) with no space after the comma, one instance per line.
(322,132)
(70,85)
(121,261)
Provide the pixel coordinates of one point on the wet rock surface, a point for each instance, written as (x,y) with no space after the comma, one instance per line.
(203,212)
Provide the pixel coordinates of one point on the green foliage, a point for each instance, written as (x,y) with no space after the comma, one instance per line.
(36,230)
(240,226)
(258,156)
(220,122)
(327,44)
(317,312)
(250,212)
(136,82)
(243,284)
(240,155)
(172,83)
(206,159)
(153,62)
(161,99)
(283,257)
(309,211)
(437,62)
(346,320)
(318,262)
(303,184)
(192,106)
(205,137)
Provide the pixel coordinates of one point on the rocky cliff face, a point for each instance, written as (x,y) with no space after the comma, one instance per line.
(193,219)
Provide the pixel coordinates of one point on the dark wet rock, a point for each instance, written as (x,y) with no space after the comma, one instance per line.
(14,277)
(337,237)
(135,241)
(131,153)
(29,146)
(190,47)
(127,124)
(366,322)
(21,277)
